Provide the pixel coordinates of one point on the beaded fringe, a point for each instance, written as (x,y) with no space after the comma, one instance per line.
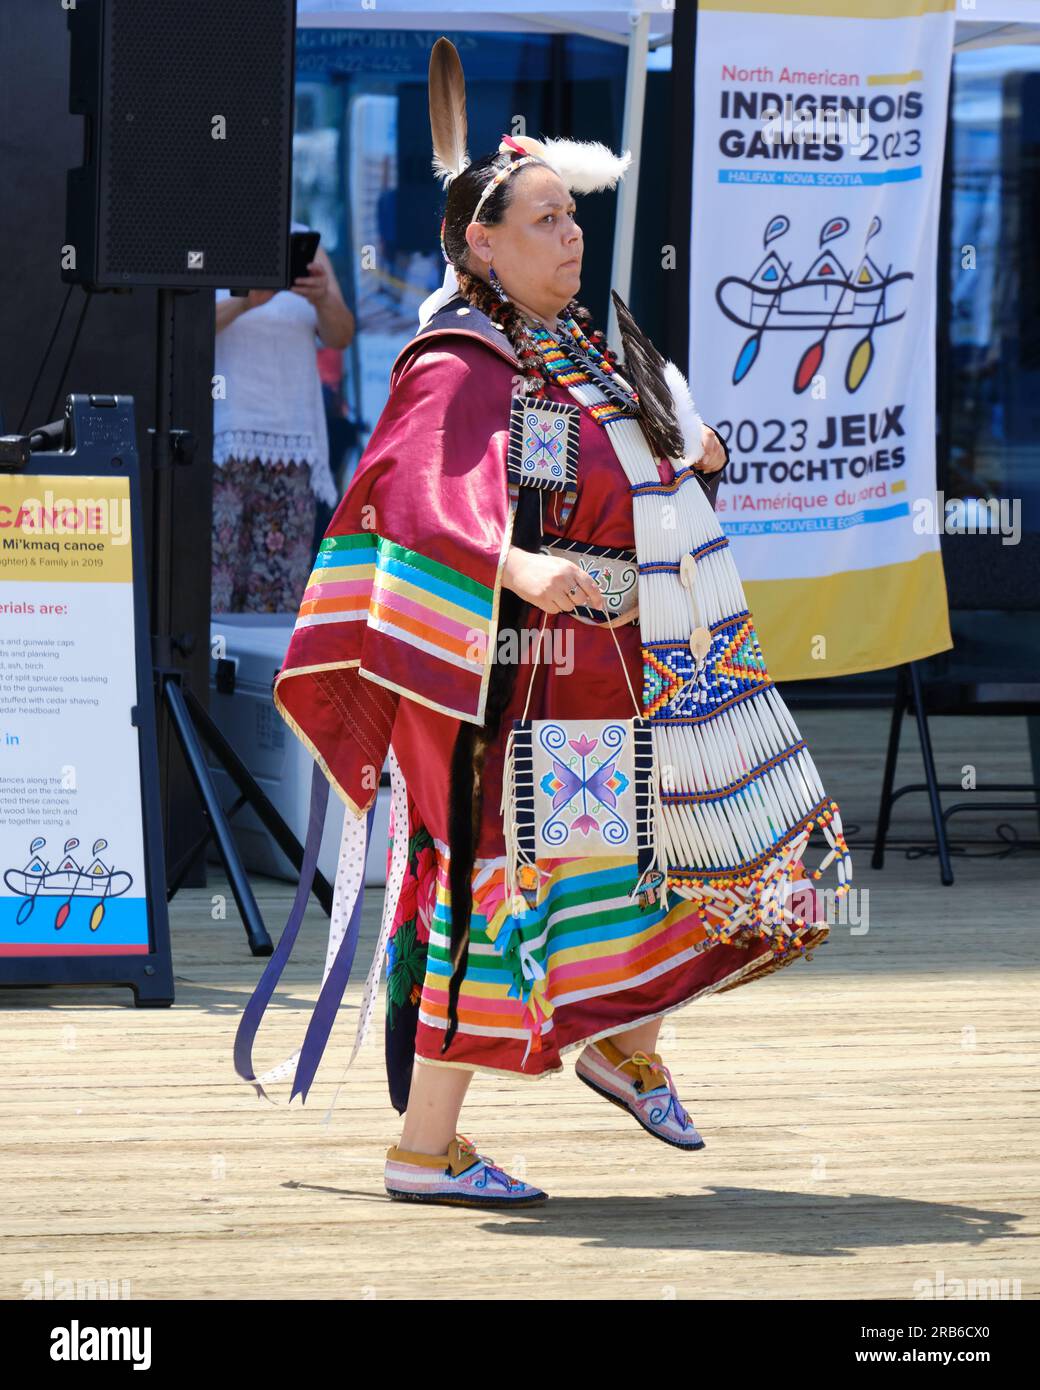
(734,838)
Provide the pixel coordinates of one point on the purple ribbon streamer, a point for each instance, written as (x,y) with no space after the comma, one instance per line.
(324,1015)
(253,1013)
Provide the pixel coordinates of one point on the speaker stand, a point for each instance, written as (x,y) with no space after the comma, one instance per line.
(183,713)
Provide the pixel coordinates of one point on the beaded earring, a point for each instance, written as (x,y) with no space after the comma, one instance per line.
(496,283)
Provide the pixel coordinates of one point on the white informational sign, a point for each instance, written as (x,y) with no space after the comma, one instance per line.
(72,869)
(819,131)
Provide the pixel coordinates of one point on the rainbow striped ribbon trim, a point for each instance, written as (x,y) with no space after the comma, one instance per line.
(401,593)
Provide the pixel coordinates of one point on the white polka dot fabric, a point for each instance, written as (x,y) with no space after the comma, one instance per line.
(395,881)
(350,875)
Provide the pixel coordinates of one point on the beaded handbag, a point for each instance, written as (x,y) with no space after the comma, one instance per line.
(581,787)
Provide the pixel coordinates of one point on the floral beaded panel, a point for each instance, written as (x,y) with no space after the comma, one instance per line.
(410,929)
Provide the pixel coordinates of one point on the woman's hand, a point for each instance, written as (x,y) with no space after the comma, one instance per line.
(714,456)
(549,582)
(314,285)
(320,286)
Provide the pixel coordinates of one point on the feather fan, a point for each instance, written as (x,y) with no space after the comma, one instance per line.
(644,369)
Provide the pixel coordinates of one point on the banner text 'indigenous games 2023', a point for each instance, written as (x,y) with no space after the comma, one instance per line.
(819,129)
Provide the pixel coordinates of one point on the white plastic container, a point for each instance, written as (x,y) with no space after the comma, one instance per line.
(256,644)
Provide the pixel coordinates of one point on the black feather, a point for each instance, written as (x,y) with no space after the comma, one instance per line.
(644,369)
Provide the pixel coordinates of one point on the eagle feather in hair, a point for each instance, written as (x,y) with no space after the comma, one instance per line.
(448,124)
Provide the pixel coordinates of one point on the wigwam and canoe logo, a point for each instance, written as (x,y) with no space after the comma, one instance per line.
(826,299)
(68,882)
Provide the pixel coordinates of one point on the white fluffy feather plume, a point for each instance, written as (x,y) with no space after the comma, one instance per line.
(585,166)
(686,414)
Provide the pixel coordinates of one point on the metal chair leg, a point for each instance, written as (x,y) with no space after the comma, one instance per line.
(877,859)
(941,843)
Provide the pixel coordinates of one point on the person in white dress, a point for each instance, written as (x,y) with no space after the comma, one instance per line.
(270,438)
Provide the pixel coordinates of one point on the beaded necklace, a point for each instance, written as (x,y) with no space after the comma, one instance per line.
(588,368)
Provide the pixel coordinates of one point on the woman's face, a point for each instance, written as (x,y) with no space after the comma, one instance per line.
(537,248)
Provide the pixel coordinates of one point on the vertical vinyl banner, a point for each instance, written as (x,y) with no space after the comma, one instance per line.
(818,153)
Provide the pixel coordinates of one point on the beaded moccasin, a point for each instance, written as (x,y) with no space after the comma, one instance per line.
(641,1084)
(461,1177)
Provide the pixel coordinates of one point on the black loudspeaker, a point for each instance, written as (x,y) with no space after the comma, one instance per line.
(186,179)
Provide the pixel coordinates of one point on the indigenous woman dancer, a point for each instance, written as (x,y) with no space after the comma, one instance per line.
(518,483)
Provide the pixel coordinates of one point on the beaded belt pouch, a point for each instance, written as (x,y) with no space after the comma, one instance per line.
(586,787)
(615,571)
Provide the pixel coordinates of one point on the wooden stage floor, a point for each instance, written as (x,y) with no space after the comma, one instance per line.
(870,1116)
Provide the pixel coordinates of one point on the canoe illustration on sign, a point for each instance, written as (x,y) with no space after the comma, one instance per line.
(68,881)
(826,299)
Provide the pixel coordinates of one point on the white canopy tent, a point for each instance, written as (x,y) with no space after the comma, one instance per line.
(604,19)
(644,26)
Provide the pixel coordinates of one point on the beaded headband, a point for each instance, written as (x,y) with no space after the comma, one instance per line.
(504,172)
